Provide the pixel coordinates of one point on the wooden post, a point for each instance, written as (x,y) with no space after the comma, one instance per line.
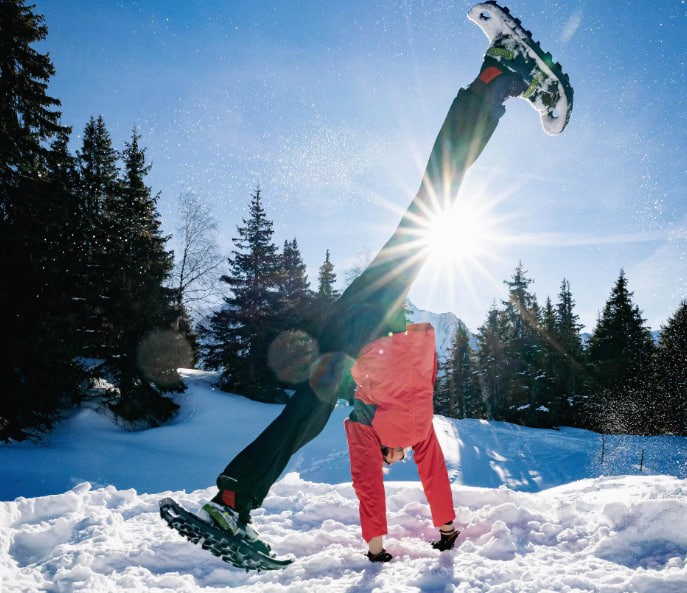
(603,447)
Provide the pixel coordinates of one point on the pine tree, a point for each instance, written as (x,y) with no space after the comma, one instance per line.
(527,394)
(140,307)
(294,288)
(670,372)
(620,352)
(98,189)
(549,360)
(571,382)
(491,363)
(462,397)
(326,294)
(326,280)
(561,362)
(37,370)
(28,115)
(237,336)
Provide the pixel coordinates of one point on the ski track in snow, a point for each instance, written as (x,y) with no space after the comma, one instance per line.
(538,511)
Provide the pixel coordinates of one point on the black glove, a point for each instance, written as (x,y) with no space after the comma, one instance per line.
(383,556)
(448,539)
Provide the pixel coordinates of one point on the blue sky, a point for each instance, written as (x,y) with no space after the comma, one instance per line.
(332,109)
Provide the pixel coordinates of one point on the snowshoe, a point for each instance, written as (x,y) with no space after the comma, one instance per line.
(234,548)
(548,88)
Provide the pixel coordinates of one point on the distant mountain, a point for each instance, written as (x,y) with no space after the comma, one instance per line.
(445,325)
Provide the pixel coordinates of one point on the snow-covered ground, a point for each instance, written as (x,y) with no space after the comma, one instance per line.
(538,510)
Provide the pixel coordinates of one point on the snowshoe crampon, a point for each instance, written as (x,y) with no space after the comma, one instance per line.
(549,90)
(232,549)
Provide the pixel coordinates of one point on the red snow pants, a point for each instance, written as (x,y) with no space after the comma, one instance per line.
(366,471)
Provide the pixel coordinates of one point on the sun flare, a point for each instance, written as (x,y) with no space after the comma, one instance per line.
(460,234)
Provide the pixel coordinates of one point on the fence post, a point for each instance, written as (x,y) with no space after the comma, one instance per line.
(603,447)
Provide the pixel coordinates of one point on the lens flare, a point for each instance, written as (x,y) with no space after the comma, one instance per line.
(291,355)
(330,376)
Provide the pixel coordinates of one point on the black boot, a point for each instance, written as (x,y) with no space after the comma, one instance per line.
(447,541)
(383,556)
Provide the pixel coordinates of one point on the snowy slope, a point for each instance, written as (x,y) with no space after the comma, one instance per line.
(538,510)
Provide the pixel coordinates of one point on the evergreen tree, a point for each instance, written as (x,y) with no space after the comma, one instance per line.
(523,346)
(37,370)
(620,352)
(561,364)
(549,361)
(326,294)
(294,288)
(670,371)
(461,394)
(326,280)
(492,364)
(139,307)
(28,115)
(569,368)
(237,336)
(96,232)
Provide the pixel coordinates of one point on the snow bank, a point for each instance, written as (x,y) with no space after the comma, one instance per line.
(614,534)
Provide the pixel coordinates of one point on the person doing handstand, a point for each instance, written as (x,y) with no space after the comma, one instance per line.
(364,337)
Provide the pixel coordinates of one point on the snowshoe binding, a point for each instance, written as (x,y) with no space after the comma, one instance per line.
(241,548)
(548,88)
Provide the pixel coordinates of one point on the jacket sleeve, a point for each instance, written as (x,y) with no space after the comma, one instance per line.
(364,450)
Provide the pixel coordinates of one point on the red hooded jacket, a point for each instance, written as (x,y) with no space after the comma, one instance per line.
(393,407)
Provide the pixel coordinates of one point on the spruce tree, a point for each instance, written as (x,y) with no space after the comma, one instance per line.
(29,118)
(462,397)
(96,233)
(570,378)
(561,366)
(140,307)
(491,364)
(523,346)
(294,288)
(37,371)
(670,374)
(549,360)
(326,280)
(325,295)
(620,351)
(237,337)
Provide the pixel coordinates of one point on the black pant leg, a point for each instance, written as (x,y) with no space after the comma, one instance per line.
(369,308)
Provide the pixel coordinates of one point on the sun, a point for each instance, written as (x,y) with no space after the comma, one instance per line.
(463,233)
